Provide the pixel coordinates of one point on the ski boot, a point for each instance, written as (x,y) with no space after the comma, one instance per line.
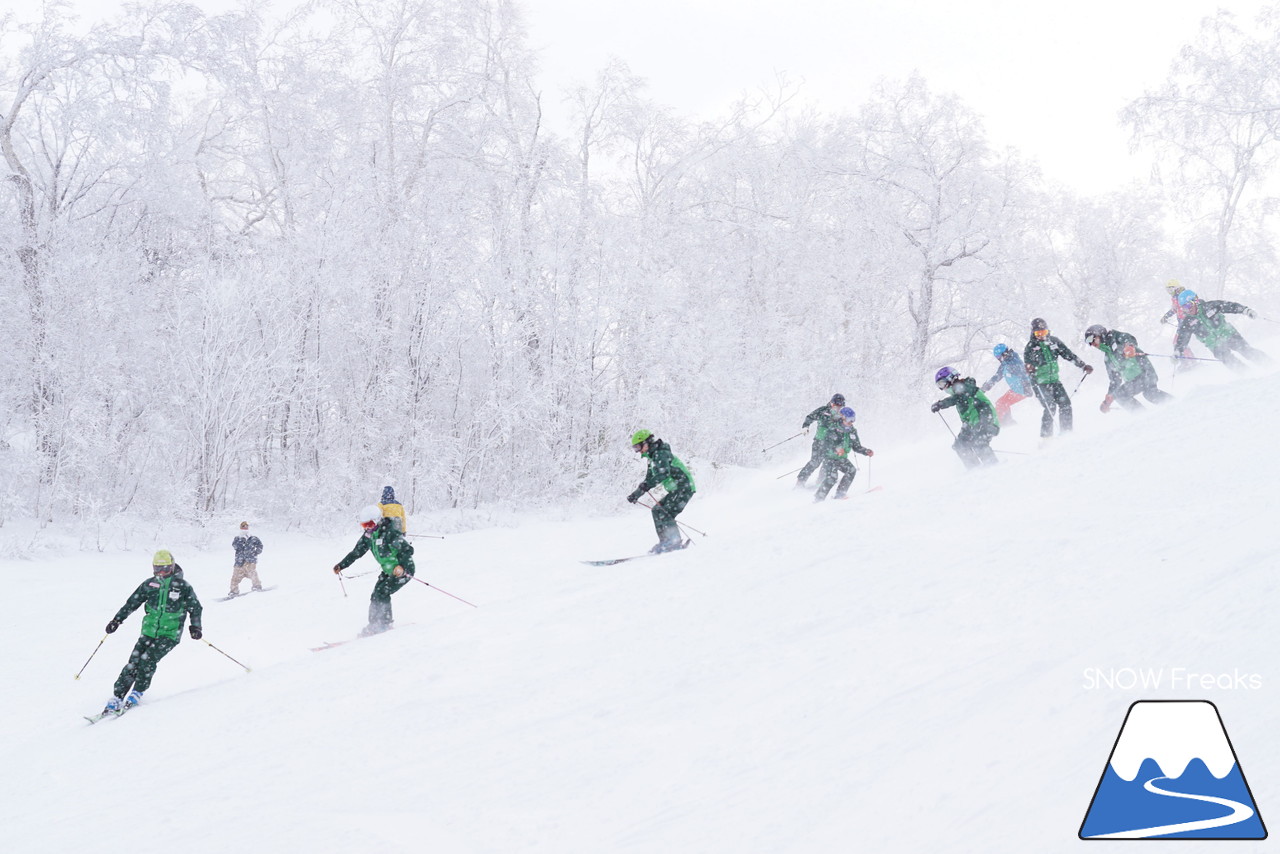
(134,698)
(114,706)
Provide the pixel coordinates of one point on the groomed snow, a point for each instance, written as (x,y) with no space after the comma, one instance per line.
(904,671)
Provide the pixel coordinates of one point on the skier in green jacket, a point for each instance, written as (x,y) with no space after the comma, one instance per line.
(167,599)
(1041,357)
(826,417)
(978,417)
(1206,320)
(394,555)
(1129,370)
(843,443)
(665,469)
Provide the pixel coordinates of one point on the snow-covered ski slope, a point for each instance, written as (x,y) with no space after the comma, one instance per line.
(905,671)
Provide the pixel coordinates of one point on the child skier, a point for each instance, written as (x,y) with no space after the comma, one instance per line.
(167,599)
(394,555)
(1014,373)
(1041,355)
(979,424)
(247,548)
(1175,313)
(675,478)
(844,441)
(1205,319)
(826,417)
(393,510)
(1129,370)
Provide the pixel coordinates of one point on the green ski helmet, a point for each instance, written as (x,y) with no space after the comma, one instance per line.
(641,436)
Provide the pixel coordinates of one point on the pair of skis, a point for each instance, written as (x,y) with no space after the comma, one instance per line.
(106,713)
(616,560)
(242,595)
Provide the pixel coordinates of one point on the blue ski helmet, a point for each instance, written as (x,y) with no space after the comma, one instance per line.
(945,377)
(1186,298)
(999,350)
(846,413)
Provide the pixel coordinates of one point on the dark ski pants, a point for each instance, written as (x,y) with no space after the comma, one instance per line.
(137,673)
(380,600)
(816,457)
(973,444)
(1145,384)
(1230,351)
(832,468)
(665,513)
(1053,396)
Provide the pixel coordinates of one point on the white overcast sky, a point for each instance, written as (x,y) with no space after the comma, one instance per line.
(1047,78)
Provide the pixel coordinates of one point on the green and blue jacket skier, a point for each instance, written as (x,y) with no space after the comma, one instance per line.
(825,417)
(842,445)
(665,469)
(167,599)
(394,555)
(1129,371)
(978,421)
(1206,320)
(1041,356)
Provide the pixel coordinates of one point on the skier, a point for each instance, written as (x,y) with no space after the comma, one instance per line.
(393,510)
(979,424)
(247,548)
(844,441)
(1175,313)
(394,555)
(1205,319)
(665,469)
(1041,355)
(1014,373)
(826,416)
(1129,370)
(167,599)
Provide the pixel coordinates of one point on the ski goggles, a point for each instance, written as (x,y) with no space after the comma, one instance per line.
(1041,333)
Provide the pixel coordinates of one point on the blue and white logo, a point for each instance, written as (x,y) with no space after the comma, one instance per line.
(1173,774)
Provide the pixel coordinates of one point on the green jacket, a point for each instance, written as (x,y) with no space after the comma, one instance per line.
(167,601)
(826,416)
(974,406)
(390,549)
(666,469)
(1122,369)
(1042,357)
(1208,324)
(844,441)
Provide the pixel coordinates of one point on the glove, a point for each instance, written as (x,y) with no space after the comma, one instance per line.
(112,626)
(839,452)
(1164,320)
(1031,369)
(1250,313)
(1088,369)
(806,430)
(635,496)
(195,632)
(1130,351)
(1106,403)
(870,453)
(398,571)
(337,568)
(934,407)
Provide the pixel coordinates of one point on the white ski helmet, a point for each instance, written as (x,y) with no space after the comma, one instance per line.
(370,513)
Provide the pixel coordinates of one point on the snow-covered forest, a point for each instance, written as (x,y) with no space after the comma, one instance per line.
(272,258)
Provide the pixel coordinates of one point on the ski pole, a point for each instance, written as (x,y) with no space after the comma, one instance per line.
(90,658)
(445,592)
(343,583)
(426,536)
(1077,388)
(793,471)
(949,430)
(783,442)
(215,649)
(1018,453)
(1187,358)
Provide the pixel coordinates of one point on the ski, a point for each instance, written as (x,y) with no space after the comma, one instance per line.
(616,560)
(242,595)
(93,719)
(332,644)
